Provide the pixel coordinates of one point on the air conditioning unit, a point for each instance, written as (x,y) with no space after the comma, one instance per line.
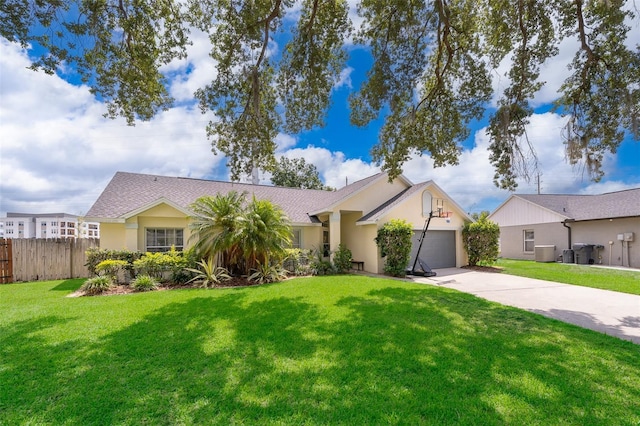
(545,253)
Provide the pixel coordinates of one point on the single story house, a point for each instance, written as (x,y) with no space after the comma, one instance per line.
(144,212)
(610,222)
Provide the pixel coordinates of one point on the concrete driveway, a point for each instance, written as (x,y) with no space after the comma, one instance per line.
(609,312)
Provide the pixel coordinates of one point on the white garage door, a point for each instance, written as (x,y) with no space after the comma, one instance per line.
(438,249)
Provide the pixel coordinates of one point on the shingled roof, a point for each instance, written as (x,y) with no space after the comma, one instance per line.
(130,192)
(590,207)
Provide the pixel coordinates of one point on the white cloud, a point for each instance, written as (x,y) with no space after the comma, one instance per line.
(334,169)
(470,182)
(344,79)
(58,152)
(193,72)
(284,142)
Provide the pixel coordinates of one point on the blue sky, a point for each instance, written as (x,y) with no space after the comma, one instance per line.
(57,152)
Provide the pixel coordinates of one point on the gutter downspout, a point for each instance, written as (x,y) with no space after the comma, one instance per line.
(564,223)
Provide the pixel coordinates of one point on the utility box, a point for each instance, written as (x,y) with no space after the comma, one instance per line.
(545,253)
(628,236)
(567,256)
(582,253)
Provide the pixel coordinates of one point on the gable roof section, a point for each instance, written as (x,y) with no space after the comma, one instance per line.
(383,209)
(128,194)
(351,190)
(153,204)
(617,204)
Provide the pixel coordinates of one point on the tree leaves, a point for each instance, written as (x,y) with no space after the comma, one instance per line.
(277,62)
(296,173)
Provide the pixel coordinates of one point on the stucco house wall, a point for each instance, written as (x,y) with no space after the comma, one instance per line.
(113,236)
(311,237)
(601,232)
(512,239)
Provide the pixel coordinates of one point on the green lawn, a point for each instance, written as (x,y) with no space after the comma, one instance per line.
(623,281)
(349,350)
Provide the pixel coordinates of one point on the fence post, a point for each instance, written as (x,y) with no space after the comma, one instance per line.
(6,261)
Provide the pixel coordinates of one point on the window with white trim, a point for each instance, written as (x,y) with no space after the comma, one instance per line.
(528,238)
(162,239)
(427,200)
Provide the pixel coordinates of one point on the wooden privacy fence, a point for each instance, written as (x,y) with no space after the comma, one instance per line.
(32,259)
(6,262)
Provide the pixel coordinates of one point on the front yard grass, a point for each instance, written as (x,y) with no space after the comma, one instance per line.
(323,350)
(623,281)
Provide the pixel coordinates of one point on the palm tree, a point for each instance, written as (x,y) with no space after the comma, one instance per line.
(215,227)
(266,233)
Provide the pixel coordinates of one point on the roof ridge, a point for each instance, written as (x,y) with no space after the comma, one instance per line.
(220,181)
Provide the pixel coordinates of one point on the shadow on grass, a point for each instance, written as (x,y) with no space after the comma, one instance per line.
(399,356)
(69,285)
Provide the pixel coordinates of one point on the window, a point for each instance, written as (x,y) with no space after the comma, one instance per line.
(297,238)
(325,243)
(54,223)
(9,223)
(161,239)
(426,203)
(528,240)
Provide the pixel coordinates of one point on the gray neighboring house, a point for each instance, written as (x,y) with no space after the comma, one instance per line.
(610,222)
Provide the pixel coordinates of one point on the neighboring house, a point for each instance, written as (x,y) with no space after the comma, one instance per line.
(151,213)
(48,225)
(611,222)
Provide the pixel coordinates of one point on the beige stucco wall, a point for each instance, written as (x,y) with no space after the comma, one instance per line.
(112,236)
(602,231)
(371,197)
(311,237)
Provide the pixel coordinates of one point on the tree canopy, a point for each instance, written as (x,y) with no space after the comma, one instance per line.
(277,62)
(296,173)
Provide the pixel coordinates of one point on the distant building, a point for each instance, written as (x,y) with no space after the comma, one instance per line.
(47,225)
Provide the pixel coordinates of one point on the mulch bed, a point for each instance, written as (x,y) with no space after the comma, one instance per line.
(478,268)
(125,289)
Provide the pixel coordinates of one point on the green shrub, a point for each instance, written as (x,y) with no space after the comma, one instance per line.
(144,283)
(394,241)
(110,268)
(342,259)
(95,256)
(297,261)
(159,264)
(480,240)
(97,285)
(320,266)
(209,274)
(179,273)
(268,274)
